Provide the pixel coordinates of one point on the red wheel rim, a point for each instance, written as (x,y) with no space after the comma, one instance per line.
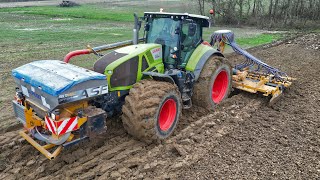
(167,114)
(219,87)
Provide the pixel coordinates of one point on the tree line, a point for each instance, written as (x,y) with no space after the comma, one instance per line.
(264,13)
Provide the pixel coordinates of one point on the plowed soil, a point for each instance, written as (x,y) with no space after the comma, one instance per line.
(242,139)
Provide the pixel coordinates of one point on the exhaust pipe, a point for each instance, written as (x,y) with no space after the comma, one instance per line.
(136,28)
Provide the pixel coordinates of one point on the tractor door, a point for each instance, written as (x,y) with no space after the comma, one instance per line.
(191,37)
(164,31)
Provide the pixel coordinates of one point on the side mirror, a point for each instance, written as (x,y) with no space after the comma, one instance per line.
(177,31)
(146,27)
(139,25)
(192,29)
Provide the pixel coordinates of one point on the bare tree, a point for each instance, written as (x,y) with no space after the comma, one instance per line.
(240,4)
(268,13)
(201,6)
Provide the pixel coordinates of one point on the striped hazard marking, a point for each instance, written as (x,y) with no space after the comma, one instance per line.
(61,127)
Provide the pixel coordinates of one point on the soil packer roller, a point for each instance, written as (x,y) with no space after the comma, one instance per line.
(147,81)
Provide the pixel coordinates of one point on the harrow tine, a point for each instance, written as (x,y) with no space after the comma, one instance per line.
(275,98)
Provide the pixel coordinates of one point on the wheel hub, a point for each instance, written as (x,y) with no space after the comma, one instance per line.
(167,114)
(219,87)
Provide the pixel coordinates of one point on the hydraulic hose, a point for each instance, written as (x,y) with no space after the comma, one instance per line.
(49,139)
(99,49)
(76,53)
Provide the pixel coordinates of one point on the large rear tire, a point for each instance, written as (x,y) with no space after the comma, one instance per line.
(151,110)
(214,83)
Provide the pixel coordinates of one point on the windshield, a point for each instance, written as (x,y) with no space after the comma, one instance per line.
(163,31)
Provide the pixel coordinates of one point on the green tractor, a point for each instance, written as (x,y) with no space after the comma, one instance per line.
(148,81)
(172,69)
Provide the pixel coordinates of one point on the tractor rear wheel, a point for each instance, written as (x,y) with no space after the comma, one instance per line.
(151,110)
(214,83)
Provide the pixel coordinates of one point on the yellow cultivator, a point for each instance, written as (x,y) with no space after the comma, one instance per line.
(254,82)
(253,75)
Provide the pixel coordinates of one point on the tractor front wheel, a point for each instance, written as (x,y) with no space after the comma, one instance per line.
(151,110)
(214,83)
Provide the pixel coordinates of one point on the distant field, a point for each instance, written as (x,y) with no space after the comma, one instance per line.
(16,0)
(29,3)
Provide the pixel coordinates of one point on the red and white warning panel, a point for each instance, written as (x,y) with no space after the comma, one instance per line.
(63,126)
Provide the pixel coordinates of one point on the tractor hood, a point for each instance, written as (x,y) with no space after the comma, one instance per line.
(135,50)
(52,82)
(113,59)
(124,66)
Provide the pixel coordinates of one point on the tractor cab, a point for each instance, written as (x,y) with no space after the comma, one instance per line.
(178,33)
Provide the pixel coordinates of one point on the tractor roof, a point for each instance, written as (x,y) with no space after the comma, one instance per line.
(203,19)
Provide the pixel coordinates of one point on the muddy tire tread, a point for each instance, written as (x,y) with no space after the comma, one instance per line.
(141,106)
(200,94)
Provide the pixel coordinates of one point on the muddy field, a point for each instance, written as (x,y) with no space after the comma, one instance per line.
(242,139)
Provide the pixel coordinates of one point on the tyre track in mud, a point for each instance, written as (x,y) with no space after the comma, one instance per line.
(279,142)
(120,155)
(116,155)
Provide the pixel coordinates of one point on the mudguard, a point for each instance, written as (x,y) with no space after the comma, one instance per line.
(199,57)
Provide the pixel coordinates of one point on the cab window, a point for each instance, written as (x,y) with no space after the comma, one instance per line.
(190,38)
